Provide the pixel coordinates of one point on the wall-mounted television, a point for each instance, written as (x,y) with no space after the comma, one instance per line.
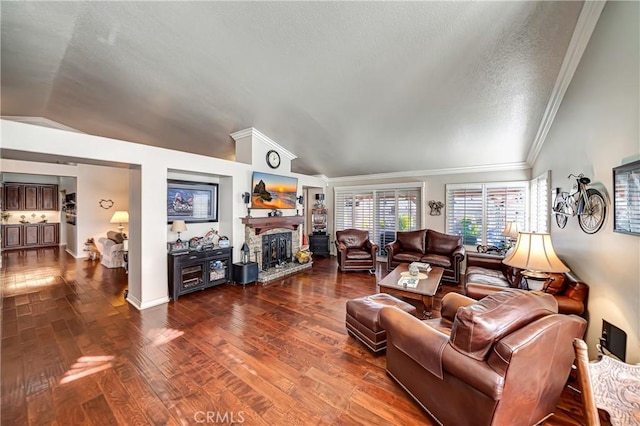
(273,191)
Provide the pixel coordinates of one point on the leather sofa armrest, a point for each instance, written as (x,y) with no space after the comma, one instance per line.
(371,248)
(392,248)
(459,253)
(450,304)
(416,339)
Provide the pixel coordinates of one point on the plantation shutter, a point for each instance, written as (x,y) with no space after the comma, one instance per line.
(382,211)
(504,204)
(479,212)
(540,203)
(464,213)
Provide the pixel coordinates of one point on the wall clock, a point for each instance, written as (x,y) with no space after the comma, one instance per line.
(273,159)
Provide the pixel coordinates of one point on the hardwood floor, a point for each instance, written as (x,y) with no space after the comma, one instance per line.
(74,352)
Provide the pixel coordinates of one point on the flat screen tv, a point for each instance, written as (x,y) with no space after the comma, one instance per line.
(273,191)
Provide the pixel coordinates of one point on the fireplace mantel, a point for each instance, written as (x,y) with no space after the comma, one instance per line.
(264,224)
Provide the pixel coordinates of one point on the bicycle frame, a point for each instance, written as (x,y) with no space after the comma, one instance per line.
(570,201)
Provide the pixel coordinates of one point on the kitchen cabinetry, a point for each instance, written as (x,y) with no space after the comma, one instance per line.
(28,235)
(25,196)
(198,270)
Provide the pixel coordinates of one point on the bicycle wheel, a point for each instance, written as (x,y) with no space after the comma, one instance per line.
(561,219)
(592,218)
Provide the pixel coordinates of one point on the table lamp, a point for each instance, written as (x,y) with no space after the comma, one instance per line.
(120,217)
(511,232)
(178,226)
(534,253)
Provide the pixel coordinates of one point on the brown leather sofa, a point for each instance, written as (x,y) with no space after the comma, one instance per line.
(355,251)
(503,360)
(486,274)
(428,246)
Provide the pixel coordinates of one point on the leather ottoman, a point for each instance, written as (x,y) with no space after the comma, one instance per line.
(362,318)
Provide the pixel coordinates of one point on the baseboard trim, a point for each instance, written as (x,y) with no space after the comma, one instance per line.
(150,304)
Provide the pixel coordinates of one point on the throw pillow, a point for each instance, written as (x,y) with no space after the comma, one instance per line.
(116,237)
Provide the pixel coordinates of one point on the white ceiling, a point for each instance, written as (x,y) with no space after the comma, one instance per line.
(351,88)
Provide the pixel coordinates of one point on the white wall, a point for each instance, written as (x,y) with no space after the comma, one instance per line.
(595,130)
(95,183)
(148,171)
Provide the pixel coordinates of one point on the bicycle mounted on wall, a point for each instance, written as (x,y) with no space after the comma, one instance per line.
(588,203)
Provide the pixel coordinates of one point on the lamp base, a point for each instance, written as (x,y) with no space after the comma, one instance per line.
(535,274)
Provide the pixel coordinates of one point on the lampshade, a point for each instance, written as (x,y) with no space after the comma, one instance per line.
(534,253)
(320,197)
(120,217)
(178,226)
(511,230)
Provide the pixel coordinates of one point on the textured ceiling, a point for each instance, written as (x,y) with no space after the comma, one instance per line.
(351,88)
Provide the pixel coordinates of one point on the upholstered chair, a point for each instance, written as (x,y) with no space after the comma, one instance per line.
(355,251)
(112,250)
(503,360)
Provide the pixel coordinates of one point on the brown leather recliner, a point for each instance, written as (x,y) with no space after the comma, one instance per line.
(428,246)
(355,251)
(502,360)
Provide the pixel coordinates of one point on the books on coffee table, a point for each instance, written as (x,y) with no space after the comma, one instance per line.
(423,267)
(408,282)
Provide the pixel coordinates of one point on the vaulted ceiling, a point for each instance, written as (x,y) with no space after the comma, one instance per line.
(351,88)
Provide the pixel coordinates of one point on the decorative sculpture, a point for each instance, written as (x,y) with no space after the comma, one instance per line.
(436,207)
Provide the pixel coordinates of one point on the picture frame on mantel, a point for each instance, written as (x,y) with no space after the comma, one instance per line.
(192,201)
(626,198)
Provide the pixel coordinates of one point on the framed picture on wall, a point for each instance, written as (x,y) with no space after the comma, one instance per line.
(192,201)
(626,198)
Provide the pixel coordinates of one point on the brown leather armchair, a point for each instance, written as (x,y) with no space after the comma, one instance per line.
(355,251)
(502,360)
(428,246)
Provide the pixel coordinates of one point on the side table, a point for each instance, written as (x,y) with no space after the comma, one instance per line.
(245,273)
(319,244)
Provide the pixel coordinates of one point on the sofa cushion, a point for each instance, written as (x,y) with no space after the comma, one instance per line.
(480,275)
(116,237)
(412,241)
(477,327)
(357,254)
(407,256)
(440,243)
(437,260)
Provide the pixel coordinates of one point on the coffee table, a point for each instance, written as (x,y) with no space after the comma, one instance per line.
(425,290)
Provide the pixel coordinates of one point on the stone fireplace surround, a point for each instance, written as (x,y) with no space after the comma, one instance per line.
(256,228)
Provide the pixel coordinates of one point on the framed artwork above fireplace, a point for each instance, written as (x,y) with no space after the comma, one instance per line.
(192,201)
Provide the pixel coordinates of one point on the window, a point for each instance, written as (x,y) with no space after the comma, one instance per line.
(540,203)
(479,212)
(381,211)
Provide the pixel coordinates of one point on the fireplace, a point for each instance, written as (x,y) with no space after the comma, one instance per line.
(276,249)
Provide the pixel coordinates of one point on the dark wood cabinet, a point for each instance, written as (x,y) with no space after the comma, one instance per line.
(319,245)
(31,233)
(11,236)
(13,196)
(17,236)
(48,197)
(24,196)
(198,270)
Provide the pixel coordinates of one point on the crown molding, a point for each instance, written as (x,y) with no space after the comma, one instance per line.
(587,21)
(434,172)
(39,121)
(264,139)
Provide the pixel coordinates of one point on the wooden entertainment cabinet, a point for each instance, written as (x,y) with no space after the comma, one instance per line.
(198,270)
